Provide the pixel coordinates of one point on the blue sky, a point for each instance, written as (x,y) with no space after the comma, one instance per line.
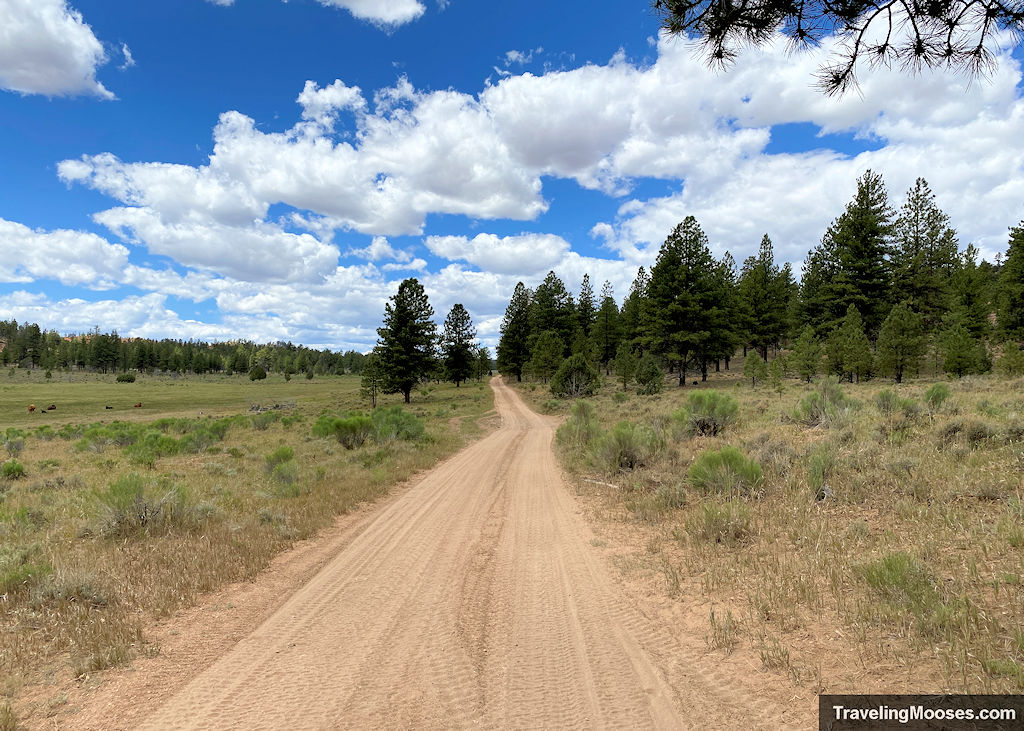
(271,170)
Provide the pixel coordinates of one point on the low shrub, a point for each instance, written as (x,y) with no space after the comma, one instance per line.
(626,447)
(827,406)
(132,506)
(125,378)
(726,470)
(396,423)
(575,378)
(12,469)
(936,396)
(285,473)
(257,373)
(649,378)
(282,454)
(707,413)
(264,419)
(581,428)
(820,464)
(14,446)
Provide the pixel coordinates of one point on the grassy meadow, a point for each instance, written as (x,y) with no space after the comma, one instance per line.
(857,537)
(111,517)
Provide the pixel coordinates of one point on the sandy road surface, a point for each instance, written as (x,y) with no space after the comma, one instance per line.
(473,600)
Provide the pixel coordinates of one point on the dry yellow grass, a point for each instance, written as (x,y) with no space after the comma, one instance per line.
(897,528)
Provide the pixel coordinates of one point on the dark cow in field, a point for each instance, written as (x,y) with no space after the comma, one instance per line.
(51,407)
(138,405)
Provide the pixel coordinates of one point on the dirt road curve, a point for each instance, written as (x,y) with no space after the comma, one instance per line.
(473,601)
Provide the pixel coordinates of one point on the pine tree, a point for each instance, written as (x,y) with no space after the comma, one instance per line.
(723,317)
(552,309)
(862,236)
(901,342)
(818,305)
(971,294)
(765,291)
(372,379)
(483,362)
(547,355)
(1010,297)
(407,339)
(755,368)
(458,352)
(514,345)
(606,331)
(625,363)
(924,255)
(586,309)
(633,316)
(849,351)
(961,352)
(685,282)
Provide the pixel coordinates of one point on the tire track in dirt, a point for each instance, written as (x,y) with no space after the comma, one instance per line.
(473,600)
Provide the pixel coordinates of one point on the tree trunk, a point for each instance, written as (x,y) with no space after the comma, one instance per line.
(727,362)
(703,369)
(718,363)
(406,392)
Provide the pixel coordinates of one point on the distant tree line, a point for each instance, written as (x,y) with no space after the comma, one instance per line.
(28,346)
(885,293)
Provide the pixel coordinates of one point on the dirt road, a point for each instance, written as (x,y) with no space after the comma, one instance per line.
(474,600)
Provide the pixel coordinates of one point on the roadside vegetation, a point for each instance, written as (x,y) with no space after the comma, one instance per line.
(887,518)
(110,518)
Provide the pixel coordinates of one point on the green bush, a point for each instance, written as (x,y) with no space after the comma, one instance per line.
(581,428)
(820,464)
(284,453)
(626,447)
(14,446)
(936,396)
(286,473)
(132,506)
(649,378)
(396,423)
(1011,362)
(826,406)
(258,373)
(620,397)
(263,420)
(707,413)
(576,377)
(125,378)
(12,470)
(726,470)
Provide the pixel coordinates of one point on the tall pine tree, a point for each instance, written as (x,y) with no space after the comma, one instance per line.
(407,339)
(458,352)
(683,309)
(924,255)
(606,331)
(514,345)
(1010,296)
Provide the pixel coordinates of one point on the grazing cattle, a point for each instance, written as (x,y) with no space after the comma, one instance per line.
(31,408)
(51,407)
(108,407)
(138,405)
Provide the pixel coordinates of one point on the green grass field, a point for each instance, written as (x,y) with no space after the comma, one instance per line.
(109,518)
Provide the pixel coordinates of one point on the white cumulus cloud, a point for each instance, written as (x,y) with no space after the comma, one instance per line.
(69,257)
(47,48)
